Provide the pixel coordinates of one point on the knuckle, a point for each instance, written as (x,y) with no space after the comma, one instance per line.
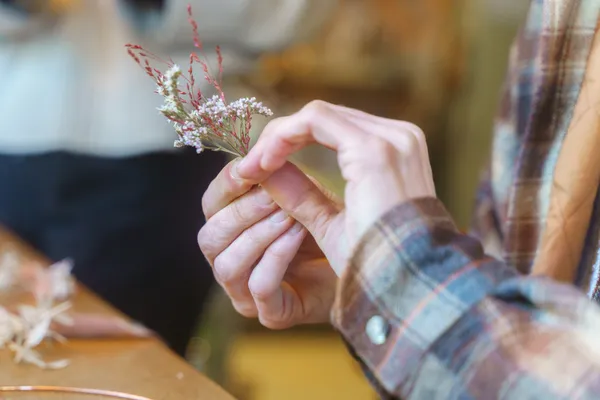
(270,127)
(385,149)
(273,324)
(237,212)
(415,137)
(417,133)
(260,198)
(276,254)
(224,270)
(201,238)
(245,309)
(412,143)
(212,239)
(262,290)
(315,108)
(382,154)
(280,319)
(205,204)
(206,245)
(248,208)
(219,277)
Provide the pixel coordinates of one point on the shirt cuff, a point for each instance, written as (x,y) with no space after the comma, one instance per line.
(412,276)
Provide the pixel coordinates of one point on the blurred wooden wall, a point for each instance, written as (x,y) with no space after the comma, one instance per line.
(394,58)
(469,132)
(437,63)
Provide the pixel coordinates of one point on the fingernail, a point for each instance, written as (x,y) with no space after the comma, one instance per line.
(278,216)
(233,171)
(240,164)
(297,228)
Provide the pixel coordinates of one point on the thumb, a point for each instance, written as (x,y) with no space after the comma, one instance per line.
(297,195)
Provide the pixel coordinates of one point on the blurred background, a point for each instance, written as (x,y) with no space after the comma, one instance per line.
(437,63)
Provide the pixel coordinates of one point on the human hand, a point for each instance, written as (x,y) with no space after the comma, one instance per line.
(384,163)
(260,256)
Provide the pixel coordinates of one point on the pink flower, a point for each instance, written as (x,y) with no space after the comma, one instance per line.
(201,122)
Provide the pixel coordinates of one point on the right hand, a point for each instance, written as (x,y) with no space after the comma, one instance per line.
(384,163)
(247,237)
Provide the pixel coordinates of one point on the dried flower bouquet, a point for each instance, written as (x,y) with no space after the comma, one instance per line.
(201,122)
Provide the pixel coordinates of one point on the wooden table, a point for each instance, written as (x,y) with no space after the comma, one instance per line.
(142,367)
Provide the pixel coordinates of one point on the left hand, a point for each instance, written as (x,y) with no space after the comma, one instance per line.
(261,257)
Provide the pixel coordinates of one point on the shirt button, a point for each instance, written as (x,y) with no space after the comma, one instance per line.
(377,330)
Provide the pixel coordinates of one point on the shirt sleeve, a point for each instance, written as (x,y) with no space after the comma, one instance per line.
(486,221)
(426,312)
(250,26)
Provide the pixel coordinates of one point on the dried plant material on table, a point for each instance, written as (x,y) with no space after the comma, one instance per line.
(23,329)
(26,328)
(71,390)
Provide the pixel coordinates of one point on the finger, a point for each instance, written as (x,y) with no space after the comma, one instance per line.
(384,144)
(249,246)
(315,123)
(351,133)
(227,224)
(243,303)
(380,127)
(266,281)
(295,193)
(225,188)
(233,266)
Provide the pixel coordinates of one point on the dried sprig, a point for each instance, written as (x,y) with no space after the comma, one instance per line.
(54,283)
(34,328)
(24,330)
(9,270)
(24,327)
(203,122)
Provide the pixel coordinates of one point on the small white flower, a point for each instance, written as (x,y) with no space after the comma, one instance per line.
(10,326)
(162,90)
(9,267)
(173,72)
(61,281)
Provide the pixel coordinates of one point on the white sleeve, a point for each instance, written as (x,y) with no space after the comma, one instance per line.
(15,24)
(253,26)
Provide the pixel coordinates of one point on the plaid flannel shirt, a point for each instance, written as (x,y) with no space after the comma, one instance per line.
(428,314)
